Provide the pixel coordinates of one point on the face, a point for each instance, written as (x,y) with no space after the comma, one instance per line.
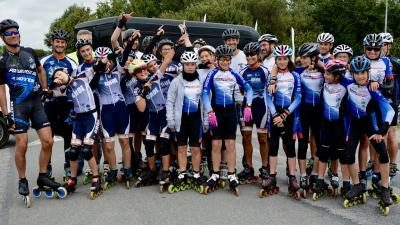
(86,53)
(206,56)
(325,48)
(85,37)
(232,42)
(282,62)
(141,74)
(386,49)
(59,45)
(372,52)
(11,37)
(197,46)
(165,49)
(189,67)
(224,63)
(329,77)
(266,48)
(343,57)
(252,59)
(135,45)
(60,77)
(361,78)
(305,61)
(109,64)
(152,67)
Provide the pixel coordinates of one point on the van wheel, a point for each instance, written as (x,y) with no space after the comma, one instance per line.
(4,134)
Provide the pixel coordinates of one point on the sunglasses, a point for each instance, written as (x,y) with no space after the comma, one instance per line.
(372,49)
(251,54)
(141,68)
(11,33)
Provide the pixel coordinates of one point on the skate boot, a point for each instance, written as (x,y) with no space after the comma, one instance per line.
(311,181)
(355,196)
(385,201)
(309,166)
(268,186)
(49,172)
(294,187)
(49,187)
(204,166)
(137,164)
(70,185)
(247,176)
(165,180)
(23,190)
(149,177)
(346,186)
(233,183)
(67,174)
(334,180)
(213,183)
(392,171)
(111,179)
(106,169)
(96,189)
(224,170)
(181,183)
(304,186)
(320,189)
(127,177)
(173,171)
(88,176)
(198,182)
(370,169)
(375,189)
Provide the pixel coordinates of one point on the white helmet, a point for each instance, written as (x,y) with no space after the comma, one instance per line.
(342,49)
(189,57)
(146,58)
(206,48)
(325,37)
(387,37)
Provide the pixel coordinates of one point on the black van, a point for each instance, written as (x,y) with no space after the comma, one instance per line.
(211,32)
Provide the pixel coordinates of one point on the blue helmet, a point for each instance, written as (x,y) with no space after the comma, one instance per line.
(360,64)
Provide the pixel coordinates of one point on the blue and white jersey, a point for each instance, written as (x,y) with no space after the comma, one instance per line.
(173,69)
(380,70)
(257,79)
(165,82)
(326,58)
(333,98)
(287,93)
(347,79)
(84,67)
(156,99)
(222,85)
(128,84)
(50,63)
(109,88)
(311,85)
(191,98)
(359,98)
(81,94)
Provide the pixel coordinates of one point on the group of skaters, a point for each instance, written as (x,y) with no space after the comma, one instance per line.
(184,102)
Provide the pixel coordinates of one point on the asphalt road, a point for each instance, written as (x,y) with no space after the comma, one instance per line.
(147,206)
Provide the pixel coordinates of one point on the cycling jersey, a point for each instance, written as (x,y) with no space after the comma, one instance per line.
(257,79)
(311,85)
(333,96)
(380,70)
(156,98)
(222,84)
(269,63)
(128,84)
(50,63)
(173,69)
(84,66)
(81,94)
(191,98)
(19,72)
(109,88)
(238,62)
(326,58)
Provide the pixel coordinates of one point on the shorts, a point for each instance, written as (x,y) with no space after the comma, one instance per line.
(138,120)
(227,123)
(85,128)
(114,120)
(259,114)
(190,129)
(30,112)
(58,111)
(157,122)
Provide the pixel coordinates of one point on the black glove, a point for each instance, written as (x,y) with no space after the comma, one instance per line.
(100,67)
(9,120)
(143,91)
(112,56)
(384,129)
(122,22)
(46,94)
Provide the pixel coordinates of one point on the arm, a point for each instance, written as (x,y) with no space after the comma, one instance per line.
(167,61)
(207,91)
(117,32)
(3,99)
(42,77)
(386,111)
(297,93)
(154,41)
(171,101)
(247,88)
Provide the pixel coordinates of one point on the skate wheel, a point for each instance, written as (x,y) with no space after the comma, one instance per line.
(62,192)
(236,191)
(314,196)
(49,193)
(36,192)
(27,201)
(92,195)
(261,193)
(222,184)
(201,189)
(297,195)
(364,198)
(127,184)
(395,198)
(137,184)
(161,189)
(206,190)
(304,194)
(171,189)
(346,203)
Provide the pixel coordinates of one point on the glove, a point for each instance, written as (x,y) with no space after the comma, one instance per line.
(212,119)
(143,91)
(247,114)
(9,121)
(122,22)
(285,114)
(384,129)
(100,67)
(46,94)
(112,56)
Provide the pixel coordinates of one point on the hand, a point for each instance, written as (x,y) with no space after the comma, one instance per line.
(100,67)
(46,93)
(376,137)
(277,121)
(182,28)
(271,89)
(212,119)
(123,19)
(10,121)
(160,31)
(373,86)
(136,34)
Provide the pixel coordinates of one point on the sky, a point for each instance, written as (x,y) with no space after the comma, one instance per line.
(35,16)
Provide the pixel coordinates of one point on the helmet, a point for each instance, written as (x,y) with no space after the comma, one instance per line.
(373,40)
(223,50)
(200,41)
(309,49)
(342,49)
(146,41)
(82,42)
(165,41)
(325,37)
(132,54)
(268,38)
(335,66)
(230,33)
(189,57)
(387,37)
(146,58)
(8,23)
(206,48)
(252,47)
(136,64)
(127,34)
(283,50)
(60,34)
(360,64)
(102,52)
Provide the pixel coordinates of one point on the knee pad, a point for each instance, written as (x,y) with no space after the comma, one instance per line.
(87,152)
(74,153)
(164,146)
(383,157)
(323,153)
(149,147)
(348,159)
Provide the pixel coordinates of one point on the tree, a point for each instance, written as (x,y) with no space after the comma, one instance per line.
(112,8)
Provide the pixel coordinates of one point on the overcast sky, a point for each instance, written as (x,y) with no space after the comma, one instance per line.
(35,16)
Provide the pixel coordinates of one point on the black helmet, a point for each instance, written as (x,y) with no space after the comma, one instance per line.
(373,40)
(252,47)
(200,41)
(309,49)
(146,41)
(230,33)
(165,41)
(60,34)
(223,50)
(82,42)
(127,34)
(8,23)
